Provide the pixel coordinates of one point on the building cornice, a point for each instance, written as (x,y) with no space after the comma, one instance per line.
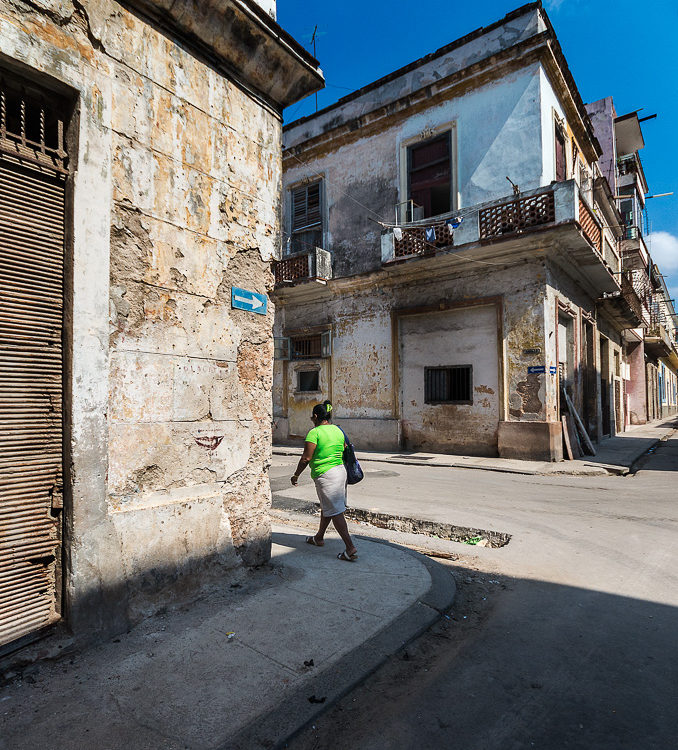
(242,41)
(542,47)
(536,49)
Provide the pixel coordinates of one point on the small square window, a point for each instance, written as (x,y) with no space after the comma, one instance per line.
(308,380)
(448,385)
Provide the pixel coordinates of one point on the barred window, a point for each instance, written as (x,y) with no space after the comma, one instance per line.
(311,346)
(448,385)
(306,347)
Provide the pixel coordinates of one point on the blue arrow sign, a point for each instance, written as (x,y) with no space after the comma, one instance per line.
(242,299)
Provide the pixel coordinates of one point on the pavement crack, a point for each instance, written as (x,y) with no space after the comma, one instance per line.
(280,664)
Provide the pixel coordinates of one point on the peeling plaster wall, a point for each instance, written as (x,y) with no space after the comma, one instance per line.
(498,132)
(463,54)
(175,199)
(366,368)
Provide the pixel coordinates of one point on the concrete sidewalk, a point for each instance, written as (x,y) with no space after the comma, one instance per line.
(616,455)
(241,668)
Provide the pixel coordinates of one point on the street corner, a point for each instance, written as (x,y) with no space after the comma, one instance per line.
(343,620)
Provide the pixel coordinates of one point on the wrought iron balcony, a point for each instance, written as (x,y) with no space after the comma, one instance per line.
(628,164)
(313,264)
(639,310)
(658,343)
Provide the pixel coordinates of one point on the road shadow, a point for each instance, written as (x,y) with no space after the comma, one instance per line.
(521,664)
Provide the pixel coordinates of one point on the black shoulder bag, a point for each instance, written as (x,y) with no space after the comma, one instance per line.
(354,472)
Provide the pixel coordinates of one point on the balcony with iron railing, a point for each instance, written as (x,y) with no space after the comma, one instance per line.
(509,220)
(628,164)
(633,250)
(658,342)
(660,335)
(295,268)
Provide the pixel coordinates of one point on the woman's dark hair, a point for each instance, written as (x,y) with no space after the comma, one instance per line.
(323,411)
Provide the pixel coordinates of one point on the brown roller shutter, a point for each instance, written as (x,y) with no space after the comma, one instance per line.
(31,364)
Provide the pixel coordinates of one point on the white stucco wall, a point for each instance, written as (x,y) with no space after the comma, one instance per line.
(268,5)
(549,104)
(461,56)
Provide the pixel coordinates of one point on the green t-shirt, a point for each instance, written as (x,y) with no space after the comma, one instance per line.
(329,448)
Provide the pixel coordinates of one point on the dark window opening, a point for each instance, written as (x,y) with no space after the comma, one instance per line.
(561,164)
(429,175)
(307,230)
(307,347)
(308,380)
(32,126)
(448,385)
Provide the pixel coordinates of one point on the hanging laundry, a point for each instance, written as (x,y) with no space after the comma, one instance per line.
(398,233)
(430,234)
(454,223)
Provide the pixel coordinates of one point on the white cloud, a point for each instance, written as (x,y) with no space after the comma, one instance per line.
(664,250)
(555,5)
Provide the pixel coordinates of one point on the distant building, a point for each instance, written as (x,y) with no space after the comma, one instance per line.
(652,359)
(451,271)
(140,178)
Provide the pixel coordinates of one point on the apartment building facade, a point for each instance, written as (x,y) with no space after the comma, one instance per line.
(452,269)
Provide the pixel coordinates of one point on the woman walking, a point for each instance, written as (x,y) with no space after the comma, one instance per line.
(323,450)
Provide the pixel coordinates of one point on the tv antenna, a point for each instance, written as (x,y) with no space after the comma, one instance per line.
(313,38)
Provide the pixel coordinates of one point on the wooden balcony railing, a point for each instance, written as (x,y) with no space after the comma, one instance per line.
(517,215)
(413,240)
(292,269)
(589,225)
(314,264)
(632,299)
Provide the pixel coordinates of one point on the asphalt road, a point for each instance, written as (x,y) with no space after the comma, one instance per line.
(564,638)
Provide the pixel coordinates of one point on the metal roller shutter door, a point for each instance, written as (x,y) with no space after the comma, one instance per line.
(31,363)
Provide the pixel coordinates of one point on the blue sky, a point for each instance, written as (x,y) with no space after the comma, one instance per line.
(624,48)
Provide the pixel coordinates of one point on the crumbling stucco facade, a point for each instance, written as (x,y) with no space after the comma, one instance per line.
(472,237)
(174,141)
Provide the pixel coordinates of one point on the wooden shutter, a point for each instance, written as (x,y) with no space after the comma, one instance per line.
(306,207)
(31,433)
(561,165)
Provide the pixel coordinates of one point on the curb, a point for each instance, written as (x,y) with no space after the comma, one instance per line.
(447,531)
(584,468)
(294,714)
(587,470)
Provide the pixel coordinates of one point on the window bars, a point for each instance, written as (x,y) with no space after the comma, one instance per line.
(30,130)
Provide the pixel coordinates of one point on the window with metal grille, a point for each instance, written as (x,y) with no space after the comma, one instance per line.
(429,175)
(448,385)
(308,380)
(315,346)
(306,347)
(307,228)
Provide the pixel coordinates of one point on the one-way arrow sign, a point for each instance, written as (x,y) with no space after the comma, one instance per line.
(242,299)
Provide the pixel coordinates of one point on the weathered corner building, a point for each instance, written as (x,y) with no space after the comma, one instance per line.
(140,175)
(441,307)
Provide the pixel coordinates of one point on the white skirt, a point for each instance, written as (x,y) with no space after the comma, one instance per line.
(331,489)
